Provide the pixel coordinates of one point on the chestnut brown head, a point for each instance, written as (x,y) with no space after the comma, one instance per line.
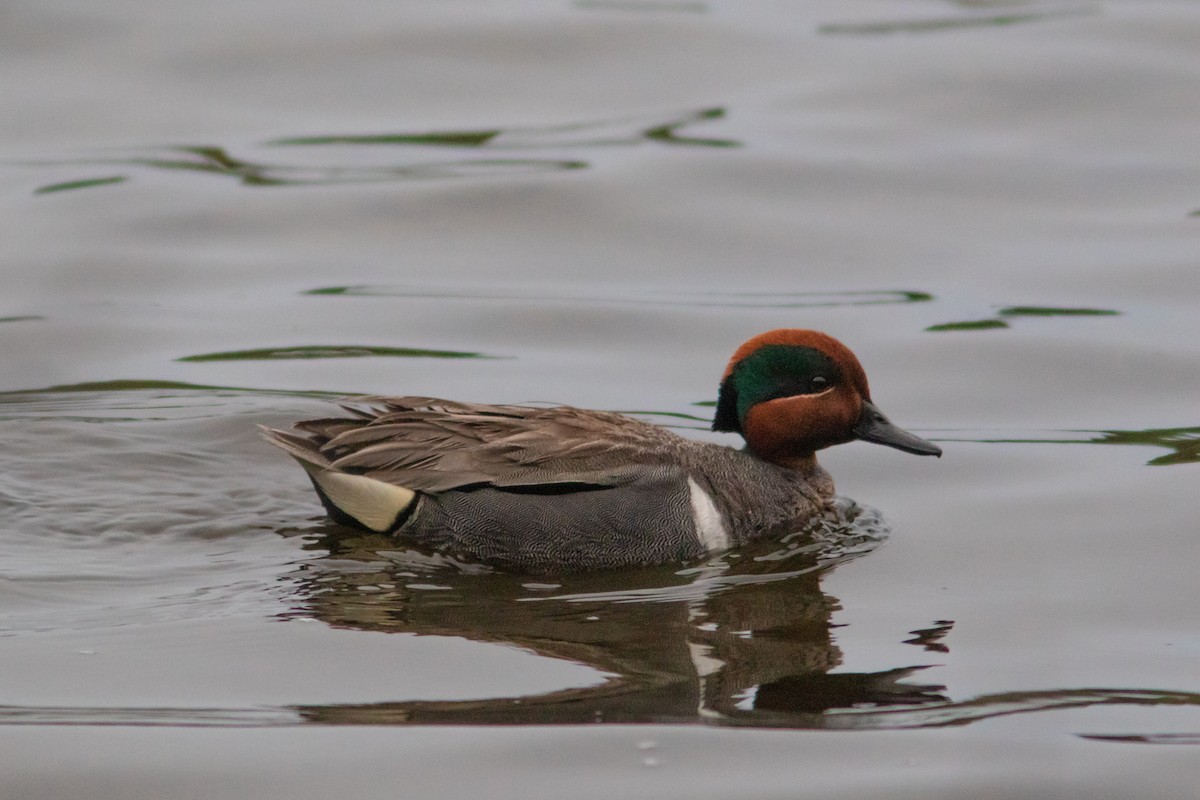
(791,392)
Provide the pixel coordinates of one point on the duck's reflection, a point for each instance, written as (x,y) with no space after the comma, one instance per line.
(741,638)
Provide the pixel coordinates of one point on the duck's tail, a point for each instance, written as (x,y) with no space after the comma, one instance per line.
(353,499)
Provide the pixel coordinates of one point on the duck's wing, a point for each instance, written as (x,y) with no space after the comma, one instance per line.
(434,445)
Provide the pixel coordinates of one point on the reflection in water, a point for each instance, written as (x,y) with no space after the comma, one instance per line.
(1183,443)
(87,183)
(329,351)
(1022,311)
(662,297)
(684,6)
(828,711)
(969,325)
(184,390)
(930,639)
(744,639)
(934,25)
(216,160)
(1145,738)
(744,636)
(1055,311)
(747,638)
(146,400)
(624,131)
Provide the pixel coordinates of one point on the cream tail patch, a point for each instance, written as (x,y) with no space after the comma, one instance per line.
(373,503)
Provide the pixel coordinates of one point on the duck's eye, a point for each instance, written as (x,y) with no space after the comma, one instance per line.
(819,382)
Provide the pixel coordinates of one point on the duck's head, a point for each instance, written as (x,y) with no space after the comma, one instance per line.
(791,392)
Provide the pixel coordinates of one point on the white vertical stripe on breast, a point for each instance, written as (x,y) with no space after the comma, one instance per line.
(710,528)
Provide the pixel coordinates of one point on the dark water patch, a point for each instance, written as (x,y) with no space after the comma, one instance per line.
(330,351)
(86,183)
(619,132)
(970,325)
(1183,444)
(664,297)
(1054,311)
(943,24)
(27,318)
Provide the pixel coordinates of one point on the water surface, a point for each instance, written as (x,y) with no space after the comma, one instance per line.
(230,215)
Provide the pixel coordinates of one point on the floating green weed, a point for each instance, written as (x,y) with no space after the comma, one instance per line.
(969,325)
(329,351)
(86,183)
(1054,311)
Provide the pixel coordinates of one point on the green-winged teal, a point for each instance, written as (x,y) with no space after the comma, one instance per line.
(544,488)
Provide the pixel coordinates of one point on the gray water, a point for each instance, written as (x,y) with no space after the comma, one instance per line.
(226,214)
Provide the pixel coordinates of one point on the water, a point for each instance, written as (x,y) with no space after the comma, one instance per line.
(226,215)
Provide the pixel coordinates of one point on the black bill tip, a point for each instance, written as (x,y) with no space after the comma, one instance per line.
(874,426)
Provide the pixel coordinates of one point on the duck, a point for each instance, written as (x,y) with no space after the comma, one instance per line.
(543,488)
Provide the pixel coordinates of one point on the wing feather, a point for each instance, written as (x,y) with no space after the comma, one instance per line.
(435,445)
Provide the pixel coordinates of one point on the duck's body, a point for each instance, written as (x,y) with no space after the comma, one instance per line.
(542,488)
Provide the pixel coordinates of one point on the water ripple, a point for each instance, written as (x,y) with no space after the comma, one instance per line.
(623,131)
(1182,444)
(418,165)
(329,351)
(564,712)
(651,297)
(963,22)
